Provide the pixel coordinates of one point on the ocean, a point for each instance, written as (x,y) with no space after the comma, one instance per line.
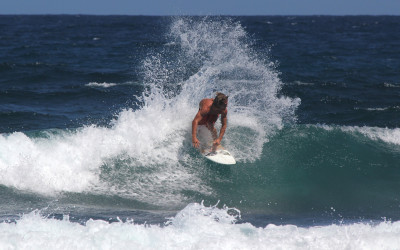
(95,132)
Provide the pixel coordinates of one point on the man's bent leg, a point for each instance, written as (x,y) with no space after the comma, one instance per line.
(213,130)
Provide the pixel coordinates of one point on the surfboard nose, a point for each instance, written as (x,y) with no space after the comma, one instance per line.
(221,156)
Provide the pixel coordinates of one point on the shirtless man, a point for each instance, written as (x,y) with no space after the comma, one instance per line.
(209,111)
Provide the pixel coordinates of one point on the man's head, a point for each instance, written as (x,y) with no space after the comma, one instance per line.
(220,101)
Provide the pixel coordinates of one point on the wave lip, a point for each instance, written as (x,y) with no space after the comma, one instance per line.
(387,135)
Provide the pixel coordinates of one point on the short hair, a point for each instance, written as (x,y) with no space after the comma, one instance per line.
(220,99)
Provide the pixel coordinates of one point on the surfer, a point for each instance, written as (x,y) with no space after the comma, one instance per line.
(209,111)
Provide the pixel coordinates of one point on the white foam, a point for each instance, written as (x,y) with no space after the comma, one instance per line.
(387,135)
(391,85)
(149,138)
(73,161)
(373,109)
(102,85)
(300,83)
(195,227)
(46,165)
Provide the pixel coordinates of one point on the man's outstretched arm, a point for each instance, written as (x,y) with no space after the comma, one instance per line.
(195,122)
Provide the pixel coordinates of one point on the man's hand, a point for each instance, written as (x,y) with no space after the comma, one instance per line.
(217,142)
(195,143)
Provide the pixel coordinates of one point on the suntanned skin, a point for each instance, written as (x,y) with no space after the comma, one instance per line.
(207,108)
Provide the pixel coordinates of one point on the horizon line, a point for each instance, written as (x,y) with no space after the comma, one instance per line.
(199,15)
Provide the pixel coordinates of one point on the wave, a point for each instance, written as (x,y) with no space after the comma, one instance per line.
(298,172)
(388,135)
(145,154)
(103,85)
(309,169)
(109,84)
(196,226)
(391,85)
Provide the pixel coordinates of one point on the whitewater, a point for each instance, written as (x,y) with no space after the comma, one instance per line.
(195,227)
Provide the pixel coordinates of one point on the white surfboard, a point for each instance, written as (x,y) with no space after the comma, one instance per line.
(221,156)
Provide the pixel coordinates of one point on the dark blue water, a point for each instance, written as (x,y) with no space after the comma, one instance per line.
(95,115)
